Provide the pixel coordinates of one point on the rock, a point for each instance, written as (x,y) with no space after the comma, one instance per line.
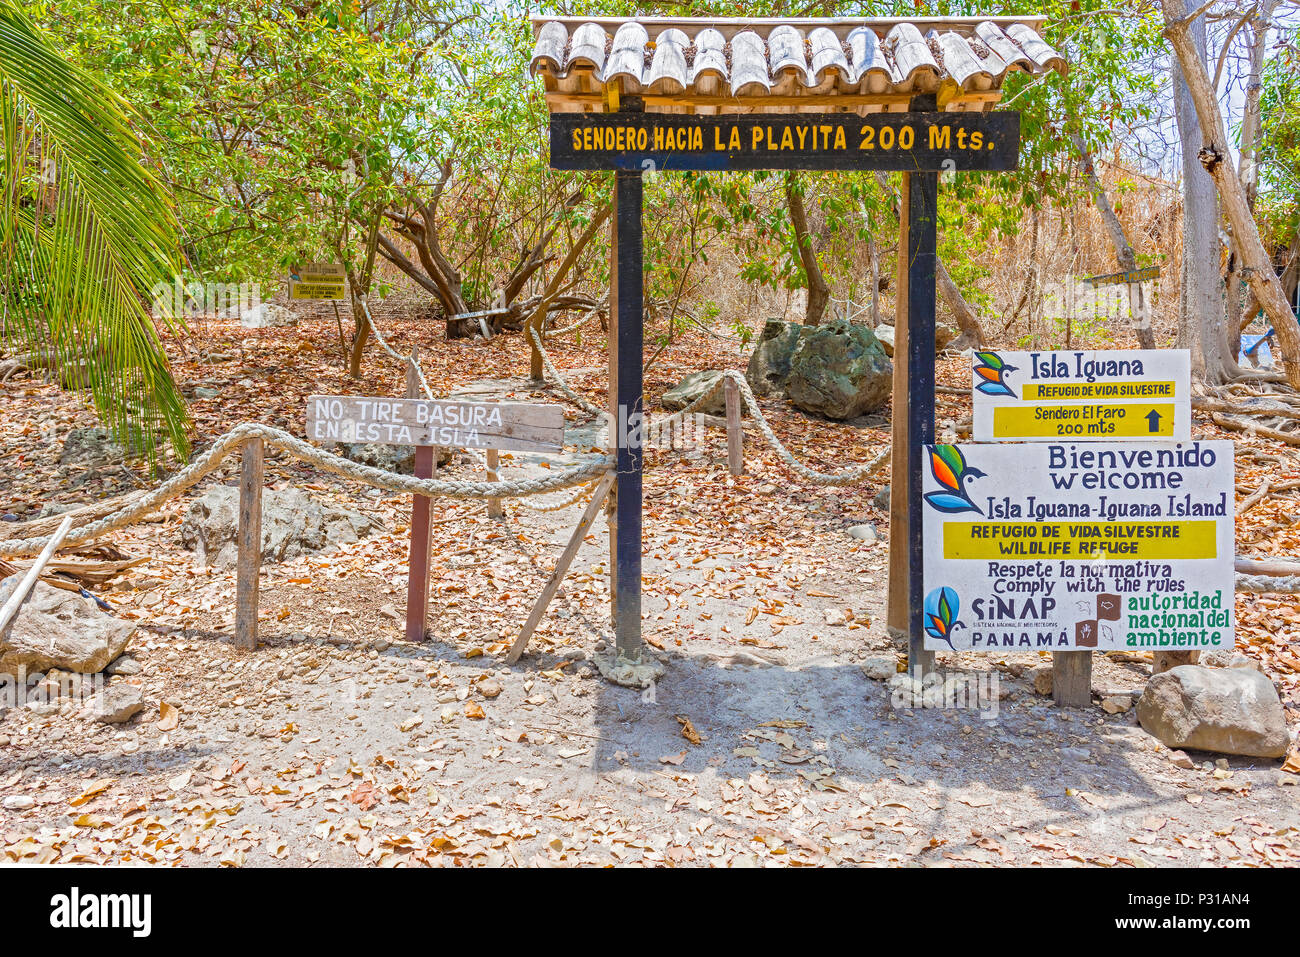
(1179,759)
(293,524)
(1228,710)
(390,458)
(1227,658)
(490,688)
(880,669)
(267,315)
(1042,678)
(691,388)
(769,363)
(19,802)
(840,371)
(944,336)
(881,500)
(117,703)
(1116,704)
(206,392)
(59,629)
(864,533)
(125,665)
(885,336)
(93,447)
(835,617)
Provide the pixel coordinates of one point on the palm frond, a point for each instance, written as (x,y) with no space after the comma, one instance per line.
(87,232)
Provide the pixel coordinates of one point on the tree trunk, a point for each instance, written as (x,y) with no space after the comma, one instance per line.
(1124,254)
(1201,325)
(1213,153)
(819,292)
(359,290)
(967,320)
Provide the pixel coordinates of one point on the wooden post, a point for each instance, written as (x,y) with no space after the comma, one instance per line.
(417,577)
(913,411)
(493,463)
(627,423)
(561,568)
(1164,660)
(735,437)
(249,542)
(1072,679)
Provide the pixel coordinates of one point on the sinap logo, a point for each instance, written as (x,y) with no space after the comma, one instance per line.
(941,608)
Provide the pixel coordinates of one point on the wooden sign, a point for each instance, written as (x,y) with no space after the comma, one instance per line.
(319,282)
(1119,278)
(642,142)
(1079,395)
(448,423)
(1064,546)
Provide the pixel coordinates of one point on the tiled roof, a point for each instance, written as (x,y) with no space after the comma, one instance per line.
(784,66)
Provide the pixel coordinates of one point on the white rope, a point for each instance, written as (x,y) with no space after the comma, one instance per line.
(1280,585)
(596,310)
(560,382)
(846,477)
(208,462)
(480,459)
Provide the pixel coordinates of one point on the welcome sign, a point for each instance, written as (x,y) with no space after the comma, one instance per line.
(1076,395)
(1067,546)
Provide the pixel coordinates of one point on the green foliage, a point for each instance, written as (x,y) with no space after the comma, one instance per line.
(87,233)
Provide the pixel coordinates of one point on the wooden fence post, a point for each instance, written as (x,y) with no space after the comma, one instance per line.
(417,576)
(735,437)
(1072,678)
(494,463)
(249,542)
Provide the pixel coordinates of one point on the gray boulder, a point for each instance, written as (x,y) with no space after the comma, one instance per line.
(840,371)
(390,458)
(691,388)
(943,338)
(1228,710)
(267,315)
(93,447)
(292,524)
(59,629)
(769,363)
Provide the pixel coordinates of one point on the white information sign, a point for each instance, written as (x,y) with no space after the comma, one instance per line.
(1073,395)
(1079,546)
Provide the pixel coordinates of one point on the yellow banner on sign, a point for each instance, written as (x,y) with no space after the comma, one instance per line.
(1097,390)
(1075,421)
(316,290)
(1080,541)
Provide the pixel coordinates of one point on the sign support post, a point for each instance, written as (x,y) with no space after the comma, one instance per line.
(913,417)
(626,426)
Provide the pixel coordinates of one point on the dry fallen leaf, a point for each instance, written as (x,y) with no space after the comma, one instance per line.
(169,716)
(474,710)
(688,729)
(99,787)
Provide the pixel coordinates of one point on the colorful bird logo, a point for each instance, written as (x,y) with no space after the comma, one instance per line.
(993,370)
(951,472)
(941,607)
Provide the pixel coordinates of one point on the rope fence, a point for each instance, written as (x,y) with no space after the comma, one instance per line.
(583,475)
